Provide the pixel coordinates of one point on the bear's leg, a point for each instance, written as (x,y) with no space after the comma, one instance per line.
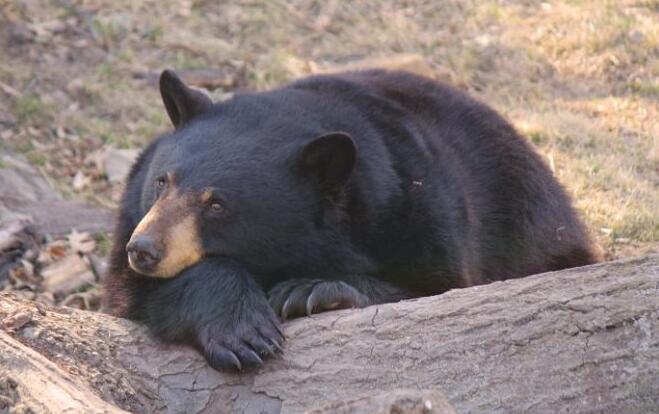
(218,306)
(299,297)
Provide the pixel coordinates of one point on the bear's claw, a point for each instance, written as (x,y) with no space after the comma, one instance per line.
(242,342)
(299,297)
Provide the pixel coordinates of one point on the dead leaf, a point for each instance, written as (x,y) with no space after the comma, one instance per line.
(81,242)
(67,275)
(81,181)
(29,268)
(20,277)
(53,251)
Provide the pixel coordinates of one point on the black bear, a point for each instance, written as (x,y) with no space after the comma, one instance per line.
(335,191)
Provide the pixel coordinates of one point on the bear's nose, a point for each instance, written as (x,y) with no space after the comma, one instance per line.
(142,253)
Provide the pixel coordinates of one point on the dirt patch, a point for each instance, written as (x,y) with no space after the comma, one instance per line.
(579,79)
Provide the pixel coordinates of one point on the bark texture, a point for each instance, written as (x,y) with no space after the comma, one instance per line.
(29,381)
(581,341)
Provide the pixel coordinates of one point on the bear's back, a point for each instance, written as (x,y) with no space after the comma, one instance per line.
(465,178)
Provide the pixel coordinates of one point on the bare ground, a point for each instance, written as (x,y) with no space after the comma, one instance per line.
(579,78)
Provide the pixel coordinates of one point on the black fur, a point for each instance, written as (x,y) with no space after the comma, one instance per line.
(417,190)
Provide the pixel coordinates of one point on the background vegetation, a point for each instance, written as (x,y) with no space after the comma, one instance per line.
(579,78)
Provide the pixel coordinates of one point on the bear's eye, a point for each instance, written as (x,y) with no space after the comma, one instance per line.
(161,182)
(216,207)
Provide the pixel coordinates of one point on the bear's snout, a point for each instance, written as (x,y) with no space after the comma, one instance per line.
(143,254)
(166,240)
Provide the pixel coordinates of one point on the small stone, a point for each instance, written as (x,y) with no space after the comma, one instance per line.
(117,163)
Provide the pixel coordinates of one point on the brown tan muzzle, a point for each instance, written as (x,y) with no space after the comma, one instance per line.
(166,241)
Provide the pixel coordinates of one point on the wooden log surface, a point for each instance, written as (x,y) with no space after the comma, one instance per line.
(30,381)
(582,340)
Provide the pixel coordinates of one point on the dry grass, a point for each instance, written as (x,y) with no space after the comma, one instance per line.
(579,78)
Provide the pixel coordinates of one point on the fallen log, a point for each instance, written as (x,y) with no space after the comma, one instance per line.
(43,386)
(582,340)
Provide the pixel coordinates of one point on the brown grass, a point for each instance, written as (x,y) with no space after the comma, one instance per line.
(579,78)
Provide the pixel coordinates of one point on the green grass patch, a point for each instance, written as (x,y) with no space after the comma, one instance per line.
(648,89)
(36,157)
(29,109)
(103,243)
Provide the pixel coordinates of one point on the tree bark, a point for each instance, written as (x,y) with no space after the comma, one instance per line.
(582,340)
(44,388)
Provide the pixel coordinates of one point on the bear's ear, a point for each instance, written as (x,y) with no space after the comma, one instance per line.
(182,103)
(329,159)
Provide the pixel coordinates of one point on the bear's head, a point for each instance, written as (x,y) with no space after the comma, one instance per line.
(250,179)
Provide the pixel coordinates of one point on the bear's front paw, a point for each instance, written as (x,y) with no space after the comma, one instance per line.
(299,297)
(241,340)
